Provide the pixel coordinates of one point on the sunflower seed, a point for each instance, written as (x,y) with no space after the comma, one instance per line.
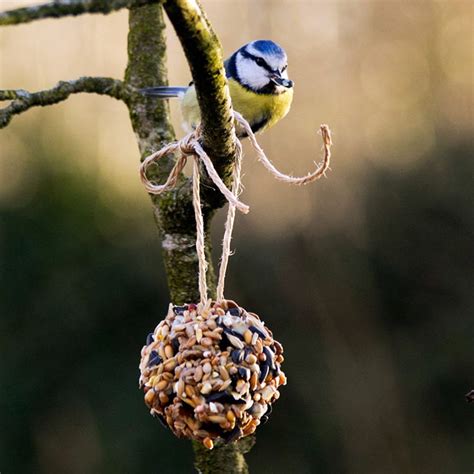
(233,435)
(175,344)
(244,373)
(154,359)
(234,311)
(255,330)
(270,357)
(236,342)
(237,356)
(264,369)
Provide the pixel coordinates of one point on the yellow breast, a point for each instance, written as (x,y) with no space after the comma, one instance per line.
(260,110)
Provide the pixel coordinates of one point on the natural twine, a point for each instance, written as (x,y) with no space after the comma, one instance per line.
(189,146)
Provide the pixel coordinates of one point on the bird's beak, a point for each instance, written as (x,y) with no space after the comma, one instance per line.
(281,81)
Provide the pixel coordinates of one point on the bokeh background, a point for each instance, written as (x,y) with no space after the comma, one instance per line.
(366,277)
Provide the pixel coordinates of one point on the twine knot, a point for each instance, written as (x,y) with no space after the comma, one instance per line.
(187,143)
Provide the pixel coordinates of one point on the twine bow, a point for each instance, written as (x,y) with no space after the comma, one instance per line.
(190,146)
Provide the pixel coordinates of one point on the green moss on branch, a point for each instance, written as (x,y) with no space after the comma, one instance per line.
(204,54)
(227,458)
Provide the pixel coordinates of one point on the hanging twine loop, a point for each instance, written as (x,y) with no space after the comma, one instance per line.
(190,146)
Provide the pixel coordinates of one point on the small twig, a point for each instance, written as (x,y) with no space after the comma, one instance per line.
(23,100)
(61,8)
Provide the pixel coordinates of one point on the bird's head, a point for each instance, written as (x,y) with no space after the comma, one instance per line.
(262,67)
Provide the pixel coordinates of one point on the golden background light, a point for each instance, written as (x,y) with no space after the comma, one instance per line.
(382,75)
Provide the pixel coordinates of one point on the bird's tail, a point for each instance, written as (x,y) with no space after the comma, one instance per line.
(164,92)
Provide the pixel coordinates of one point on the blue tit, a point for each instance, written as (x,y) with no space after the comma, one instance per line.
(258,82)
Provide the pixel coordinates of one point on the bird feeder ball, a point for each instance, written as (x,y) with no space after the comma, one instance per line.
(211,372)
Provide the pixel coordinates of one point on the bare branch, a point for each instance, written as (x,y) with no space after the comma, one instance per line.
(61,8)
(204,54)
(24,100)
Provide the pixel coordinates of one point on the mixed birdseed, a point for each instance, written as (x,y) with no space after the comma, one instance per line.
(211,372)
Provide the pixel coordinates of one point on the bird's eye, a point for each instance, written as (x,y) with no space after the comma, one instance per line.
(260,62)
(284,68)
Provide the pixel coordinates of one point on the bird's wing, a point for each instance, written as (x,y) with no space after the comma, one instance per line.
(229,65)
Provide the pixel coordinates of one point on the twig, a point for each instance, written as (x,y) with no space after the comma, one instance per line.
(24,100)
(61,8)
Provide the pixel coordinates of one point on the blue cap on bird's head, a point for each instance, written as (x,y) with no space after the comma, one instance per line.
(267,48)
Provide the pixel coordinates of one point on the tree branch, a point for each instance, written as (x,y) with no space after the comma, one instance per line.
(204,54)
(61,8)
(150,119)
(24,100)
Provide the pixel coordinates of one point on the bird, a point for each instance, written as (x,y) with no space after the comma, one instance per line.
(260,90)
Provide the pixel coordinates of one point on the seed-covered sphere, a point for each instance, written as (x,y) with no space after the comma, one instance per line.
(211,372)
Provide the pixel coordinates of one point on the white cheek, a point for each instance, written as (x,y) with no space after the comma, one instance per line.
(284,74)
(251,74)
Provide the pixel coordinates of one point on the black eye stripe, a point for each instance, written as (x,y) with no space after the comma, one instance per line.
(264,64)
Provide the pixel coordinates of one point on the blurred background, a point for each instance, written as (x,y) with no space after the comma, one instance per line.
(365,277)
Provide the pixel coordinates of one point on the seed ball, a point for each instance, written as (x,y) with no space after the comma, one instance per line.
(210,372)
